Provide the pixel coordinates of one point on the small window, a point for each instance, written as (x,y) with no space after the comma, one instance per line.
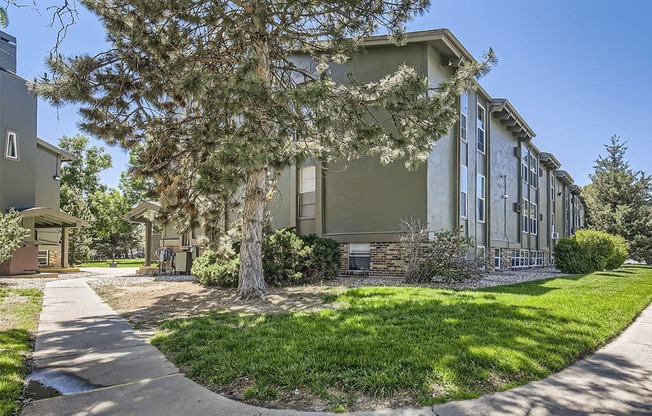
(481,128)
(481,198)
(464,108)
(185,239)
(534,172)
(464,186)
(11,146)
(43,258)
(359,256)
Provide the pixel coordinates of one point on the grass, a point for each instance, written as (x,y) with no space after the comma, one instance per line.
(19,311)
(120,262)
(428,344)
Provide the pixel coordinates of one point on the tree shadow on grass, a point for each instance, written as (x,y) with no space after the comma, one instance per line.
(435,349)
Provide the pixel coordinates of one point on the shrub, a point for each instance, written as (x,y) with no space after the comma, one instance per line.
(447,255)
(211,269)
(621,253)
(325,260)
(589,251)
(288,259)
(284,254)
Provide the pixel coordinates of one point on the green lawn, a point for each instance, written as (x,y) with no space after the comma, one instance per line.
(120,262)
(19,311)
(426,344)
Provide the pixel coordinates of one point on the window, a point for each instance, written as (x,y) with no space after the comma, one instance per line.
(481,198)
(497,255)
(464,186)
(534,172)
(307,195)
(525,169)
(534,221)
(536,258)
(481,127)
(11,146)
(552,223)
(185,239)
(520,258)
(359,256)
(464,109)
(552,186)
(43,258)
(525,216)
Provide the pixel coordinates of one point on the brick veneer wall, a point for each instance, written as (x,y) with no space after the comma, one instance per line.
(385,261)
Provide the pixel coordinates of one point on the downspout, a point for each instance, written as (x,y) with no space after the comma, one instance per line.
(505,222)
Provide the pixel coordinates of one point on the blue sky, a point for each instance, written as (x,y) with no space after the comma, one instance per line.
(578,71)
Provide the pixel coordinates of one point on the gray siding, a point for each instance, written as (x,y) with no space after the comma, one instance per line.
(47,188)
(18,114)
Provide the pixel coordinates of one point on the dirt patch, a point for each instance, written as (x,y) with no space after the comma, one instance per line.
(147,305)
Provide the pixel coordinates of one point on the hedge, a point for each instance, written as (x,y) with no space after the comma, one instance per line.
(588,251)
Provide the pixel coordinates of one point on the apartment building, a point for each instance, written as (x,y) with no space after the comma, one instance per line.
(486,177)
(29,173)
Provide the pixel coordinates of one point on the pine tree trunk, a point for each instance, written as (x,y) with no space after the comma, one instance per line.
(251,282)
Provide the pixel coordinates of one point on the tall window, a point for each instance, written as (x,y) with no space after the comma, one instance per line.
(525,217)
(497,258)
(481,128)
(552,223)
(464,110)
(534,221)
(464,186)
(481,191)
(307,186)
(534,172)
(525,169)
(552,187)
(11,146)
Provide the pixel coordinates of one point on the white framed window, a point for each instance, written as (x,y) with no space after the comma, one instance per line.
(43,258)
(481,192)
(552,186)
(497,258)
(520,258)
(525,216)
(307,188)
(464,187)
(464,110)
(11,145)
(536,258)
(359,256)
(482,116)
(534,221)
(525,168)
(307,179)
(552,223)
(534,172)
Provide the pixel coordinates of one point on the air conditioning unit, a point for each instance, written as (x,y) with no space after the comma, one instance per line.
(517,207)
(555,236)
(517,152)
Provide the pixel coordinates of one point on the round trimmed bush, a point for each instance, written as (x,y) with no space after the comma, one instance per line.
(589,251)
(621,253)
(569,257)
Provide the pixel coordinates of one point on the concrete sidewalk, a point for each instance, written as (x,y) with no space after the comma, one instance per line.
(119,373)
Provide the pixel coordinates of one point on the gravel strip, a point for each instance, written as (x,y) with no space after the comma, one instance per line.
(135,279)
(488,280)
(39,282)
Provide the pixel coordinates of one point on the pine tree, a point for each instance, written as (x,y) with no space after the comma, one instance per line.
(619,200)
(221,95)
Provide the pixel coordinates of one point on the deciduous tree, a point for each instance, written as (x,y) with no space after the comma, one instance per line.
(220,94)
(11,233)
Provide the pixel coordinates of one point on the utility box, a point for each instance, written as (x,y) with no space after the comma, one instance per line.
(183,262)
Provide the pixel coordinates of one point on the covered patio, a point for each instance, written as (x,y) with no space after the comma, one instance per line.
(144,213)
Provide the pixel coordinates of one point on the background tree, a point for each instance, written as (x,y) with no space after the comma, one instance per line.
(216,95)
(80,179)
(133,185)
(113,232)
(11,234)
(619,200)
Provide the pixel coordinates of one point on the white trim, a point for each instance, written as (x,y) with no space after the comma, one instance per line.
(8,135)
(483,198)
(483,129)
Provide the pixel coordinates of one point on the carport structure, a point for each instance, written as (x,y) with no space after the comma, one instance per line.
(144,213)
